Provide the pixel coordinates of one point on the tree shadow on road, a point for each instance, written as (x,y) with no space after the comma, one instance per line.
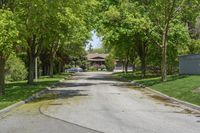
(60,94)
(71,84)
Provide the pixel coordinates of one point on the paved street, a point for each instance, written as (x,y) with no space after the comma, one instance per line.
(93,103)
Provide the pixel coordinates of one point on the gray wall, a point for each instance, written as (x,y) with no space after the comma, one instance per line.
(189,64)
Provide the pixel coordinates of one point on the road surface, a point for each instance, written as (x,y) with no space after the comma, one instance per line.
(94,103)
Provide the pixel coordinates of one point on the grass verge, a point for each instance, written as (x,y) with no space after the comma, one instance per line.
(186,88)
(20,90)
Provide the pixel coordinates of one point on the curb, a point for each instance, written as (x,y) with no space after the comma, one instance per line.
(186,104)
(9,108)
(31,98)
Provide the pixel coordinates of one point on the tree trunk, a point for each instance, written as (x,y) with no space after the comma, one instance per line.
(126,66)
(123,66)
(59,67)
(133,67)
(52,55)
(31,68)
(164,55)
(2,75)
(142,50)
(31,53)
(51,66)
(143,65)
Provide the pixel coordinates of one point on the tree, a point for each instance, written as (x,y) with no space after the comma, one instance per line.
(32,17)
(164,13)
(8,41)
(67,26)
(124,24)
(110,63)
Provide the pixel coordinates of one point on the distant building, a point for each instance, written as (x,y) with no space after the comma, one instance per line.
(189,64)
(98,60)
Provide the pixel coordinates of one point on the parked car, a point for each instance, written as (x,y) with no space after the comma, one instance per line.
(73,70)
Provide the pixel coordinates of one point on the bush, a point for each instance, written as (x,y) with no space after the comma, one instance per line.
(103,67)
(110,63)
(15,69)
(92,68)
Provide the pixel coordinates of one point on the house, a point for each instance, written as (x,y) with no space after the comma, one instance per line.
(189,64)
(96,59)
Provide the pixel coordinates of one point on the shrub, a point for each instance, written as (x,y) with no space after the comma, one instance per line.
(103,67)
(15,69)
(110,63)
(92,68)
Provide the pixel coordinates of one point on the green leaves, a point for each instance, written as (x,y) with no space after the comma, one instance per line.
(8,32)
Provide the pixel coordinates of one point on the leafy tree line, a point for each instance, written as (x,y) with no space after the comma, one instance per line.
(49,33)
(154,32)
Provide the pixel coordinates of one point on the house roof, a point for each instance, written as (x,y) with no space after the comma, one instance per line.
(96,56)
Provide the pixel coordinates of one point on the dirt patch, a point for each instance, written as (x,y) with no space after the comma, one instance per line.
(171,105)
(187,111)
(196,90)
(160,98)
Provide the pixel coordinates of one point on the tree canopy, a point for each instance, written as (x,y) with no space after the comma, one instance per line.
(48,36)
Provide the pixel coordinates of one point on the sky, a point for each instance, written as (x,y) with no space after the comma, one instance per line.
(95,41)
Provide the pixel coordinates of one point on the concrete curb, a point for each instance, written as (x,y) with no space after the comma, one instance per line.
(186,104)
(11,107)
(31,98)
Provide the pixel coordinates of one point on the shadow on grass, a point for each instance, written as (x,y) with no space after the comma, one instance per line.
(157,80)
(18,91)
(149,80)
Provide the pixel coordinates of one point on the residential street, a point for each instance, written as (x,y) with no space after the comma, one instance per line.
(93,102)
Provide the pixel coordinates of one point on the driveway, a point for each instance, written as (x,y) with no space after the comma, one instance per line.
(93,103)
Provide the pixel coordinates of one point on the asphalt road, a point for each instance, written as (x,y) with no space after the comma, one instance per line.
(92,103)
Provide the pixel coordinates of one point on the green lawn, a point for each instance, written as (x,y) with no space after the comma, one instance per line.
(17,91)
(181,87)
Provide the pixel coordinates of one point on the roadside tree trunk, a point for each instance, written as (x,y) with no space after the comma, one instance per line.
(142,50)
(31,68)
(31,53)
(51,69)
(123,66)
(133,67)
(164,54)
(126,66)
(52,57)
(143,66)
(2,75)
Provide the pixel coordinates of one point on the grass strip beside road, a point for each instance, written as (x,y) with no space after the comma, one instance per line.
(186,88)
(20,90)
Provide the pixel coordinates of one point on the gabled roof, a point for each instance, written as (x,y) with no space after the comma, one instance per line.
(96,55)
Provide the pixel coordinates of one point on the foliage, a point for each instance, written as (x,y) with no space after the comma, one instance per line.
(8,32)
(8,41)
(153,31)
(15,69)
(110,63)
(93,68)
